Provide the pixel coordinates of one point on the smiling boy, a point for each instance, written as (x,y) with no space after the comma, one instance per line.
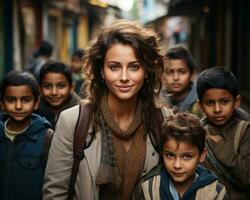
(219,98)
(180,177)
(22,136)
(57,90)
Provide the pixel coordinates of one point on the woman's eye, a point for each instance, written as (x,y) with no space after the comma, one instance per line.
(114,67)
(134,67)
(46,86)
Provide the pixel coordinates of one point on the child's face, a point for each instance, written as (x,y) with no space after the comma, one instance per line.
(76,64)
(181,160)
(219,105)
(19,102)
(55,89)
(177,76)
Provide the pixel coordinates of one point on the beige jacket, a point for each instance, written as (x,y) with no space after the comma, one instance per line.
(60,161)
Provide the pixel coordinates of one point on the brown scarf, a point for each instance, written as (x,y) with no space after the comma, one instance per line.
(129,164)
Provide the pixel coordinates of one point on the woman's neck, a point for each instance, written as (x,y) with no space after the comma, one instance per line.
(123,111)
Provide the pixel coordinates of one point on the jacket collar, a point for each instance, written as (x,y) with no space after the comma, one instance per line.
(30,134)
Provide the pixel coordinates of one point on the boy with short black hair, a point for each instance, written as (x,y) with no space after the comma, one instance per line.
(180,176)
(228,136)
(178,87)
(22,138)
(57,90)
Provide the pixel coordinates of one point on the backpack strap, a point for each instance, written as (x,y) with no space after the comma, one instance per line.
(240,130)
(47,143)
(79,142)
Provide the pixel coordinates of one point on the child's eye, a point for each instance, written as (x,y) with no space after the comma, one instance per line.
(224,101)
(187,157)
(10,99)
(182,72)
(61,86)
(209,103)
(169,155)
(26,99)
(169,72)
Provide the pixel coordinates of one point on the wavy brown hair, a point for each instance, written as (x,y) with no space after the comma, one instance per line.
(147,50)
(184,127)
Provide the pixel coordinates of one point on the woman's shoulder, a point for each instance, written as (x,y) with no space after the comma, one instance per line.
(69,111)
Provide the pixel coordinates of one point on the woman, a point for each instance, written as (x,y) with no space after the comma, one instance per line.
(125,66)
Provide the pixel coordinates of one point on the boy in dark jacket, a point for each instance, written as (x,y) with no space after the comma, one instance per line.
(180,177)
(22,139)
(57,90)
(228,146)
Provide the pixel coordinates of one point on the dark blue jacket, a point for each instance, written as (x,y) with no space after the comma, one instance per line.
(205,177)
(21,161)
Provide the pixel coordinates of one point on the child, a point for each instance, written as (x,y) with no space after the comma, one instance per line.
(22,138)
(178,88)
(40,57)
(180,176)
(219,99)
(57,90)
(76,67)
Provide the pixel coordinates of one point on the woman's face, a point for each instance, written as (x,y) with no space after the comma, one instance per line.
(123,73)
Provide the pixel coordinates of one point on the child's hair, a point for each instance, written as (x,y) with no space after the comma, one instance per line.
(216,77)
(78,53)
(184,127)
(19,78)
(45,49)
(56,67)
(181,52)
